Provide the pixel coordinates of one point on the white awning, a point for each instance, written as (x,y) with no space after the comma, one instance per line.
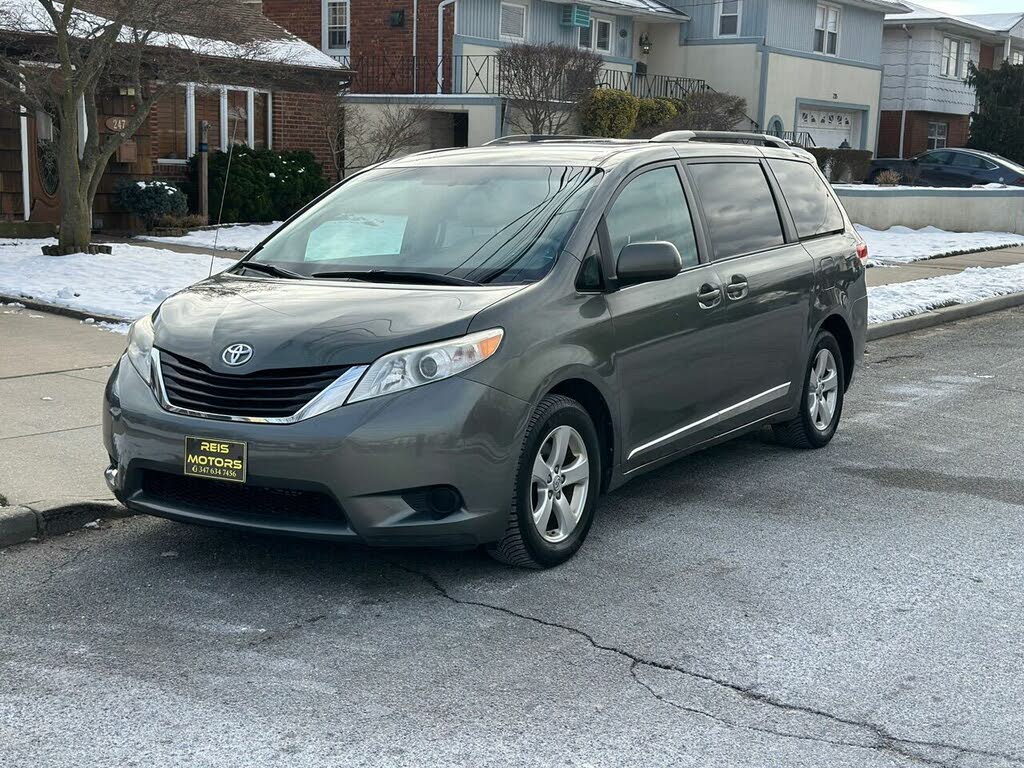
(651,9)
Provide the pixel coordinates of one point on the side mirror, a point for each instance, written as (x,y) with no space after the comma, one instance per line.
(647,262)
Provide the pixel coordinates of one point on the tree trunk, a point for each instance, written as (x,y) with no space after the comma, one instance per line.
(75,218)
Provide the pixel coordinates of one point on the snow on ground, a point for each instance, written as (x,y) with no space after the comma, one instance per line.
(231,237)
(890,302)
(128,284)
(902,245)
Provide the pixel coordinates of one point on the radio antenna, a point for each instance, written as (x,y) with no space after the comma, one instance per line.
(224,190)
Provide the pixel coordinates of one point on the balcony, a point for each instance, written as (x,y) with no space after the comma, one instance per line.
(480,75)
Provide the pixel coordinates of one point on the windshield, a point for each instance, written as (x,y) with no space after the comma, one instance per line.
(479,224)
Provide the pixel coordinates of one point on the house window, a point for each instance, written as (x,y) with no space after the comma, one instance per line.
(336,25)
(729,18)
(513,22)
(956,57)
(598,36)
(236,115)
(1017,58)
(826,30)
(938,133)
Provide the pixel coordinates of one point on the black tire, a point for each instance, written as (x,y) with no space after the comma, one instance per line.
(802,432)
(522,544)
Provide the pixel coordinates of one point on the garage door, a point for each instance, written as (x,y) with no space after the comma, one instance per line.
(830,127)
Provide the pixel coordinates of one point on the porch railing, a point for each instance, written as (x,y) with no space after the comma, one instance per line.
(481,75)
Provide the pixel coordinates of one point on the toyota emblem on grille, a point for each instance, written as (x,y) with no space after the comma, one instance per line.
(236,354)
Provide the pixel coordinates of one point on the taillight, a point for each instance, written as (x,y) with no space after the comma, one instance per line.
(862,251)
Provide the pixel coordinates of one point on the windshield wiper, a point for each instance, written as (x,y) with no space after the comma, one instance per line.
(396,276)
(270,269)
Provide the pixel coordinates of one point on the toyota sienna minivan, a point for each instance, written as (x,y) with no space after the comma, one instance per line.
(468,347)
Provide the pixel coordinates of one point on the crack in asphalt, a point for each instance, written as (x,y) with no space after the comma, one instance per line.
(50,373)
(883,740)
(66,563)
(289,629)
(51,432)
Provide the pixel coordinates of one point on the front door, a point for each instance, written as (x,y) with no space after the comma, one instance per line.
(44,178)
(671,353)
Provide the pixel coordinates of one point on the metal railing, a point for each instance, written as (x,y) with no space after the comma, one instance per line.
(481,75)
(800,138)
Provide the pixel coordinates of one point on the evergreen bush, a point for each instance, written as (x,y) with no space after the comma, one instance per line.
(151,201)
(609,112)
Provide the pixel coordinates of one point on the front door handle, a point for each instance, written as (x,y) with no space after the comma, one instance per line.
(710,296)
(738,288)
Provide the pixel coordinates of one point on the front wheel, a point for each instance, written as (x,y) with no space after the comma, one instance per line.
(821,405)
(556,487)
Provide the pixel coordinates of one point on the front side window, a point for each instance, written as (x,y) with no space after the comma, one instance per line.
(739,208)
(938,135)
(652,208)
(336,24)
(826,30)
(497,224)
(813,209)
(598,36)
(513,21)
(729,18)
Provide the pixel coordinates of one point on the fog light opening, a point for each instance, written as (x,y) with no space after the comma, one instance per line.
(443,500)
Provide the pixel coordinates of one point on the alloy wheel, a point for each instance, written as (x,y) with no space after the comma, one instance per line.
(823,390)
(560,484)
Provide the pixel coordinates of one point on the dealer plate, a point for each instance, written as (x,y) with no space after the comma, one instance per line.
(215,459)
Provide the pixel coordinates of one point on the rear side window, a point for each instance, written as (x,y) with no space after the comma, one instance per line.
(739,208)
(814,210)
(652,208)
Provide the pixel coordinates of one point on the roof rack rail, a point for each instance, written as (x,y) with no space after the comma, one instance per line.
(532,138)
(726,136)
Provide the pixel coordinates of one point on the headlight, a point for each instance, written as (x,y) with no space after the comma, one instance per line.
(140,348)
(423,365)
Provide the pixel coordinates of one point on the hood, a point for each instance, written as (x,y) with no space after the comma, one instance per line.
(312,323)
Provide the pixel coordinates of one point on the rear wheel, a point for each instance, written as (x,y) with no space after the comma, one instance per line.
(556,487)
(821,406)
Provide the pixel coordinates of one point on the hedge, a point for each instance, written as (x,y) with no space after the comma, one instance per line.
(655,112)
(264,185)
(609,112)
(152,201)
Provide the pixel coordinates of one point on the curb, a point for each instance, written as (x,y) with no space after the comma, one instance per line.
(54,309)
(20,524)
(944,315)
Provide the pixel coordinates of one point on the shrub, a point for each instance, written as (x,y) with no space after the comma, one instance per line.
(188,221)
(888,178)
(841,165)
(263,185)
(608,112)
(152,200)
(655,112)
(704,111)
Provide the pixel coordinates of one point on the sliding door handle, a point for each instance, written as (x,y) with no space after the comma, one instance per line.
(738,288)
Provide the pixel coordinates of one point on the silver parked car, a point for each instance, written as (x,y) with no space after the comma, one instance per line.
(467,347)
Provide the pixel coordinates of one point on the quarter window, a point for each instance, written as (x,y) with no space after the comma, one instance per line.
(738,207)
(336,23)
(598,36)
(826,30)
(513,21)
(653,208)
(729,18)
(938,135)
(813,209)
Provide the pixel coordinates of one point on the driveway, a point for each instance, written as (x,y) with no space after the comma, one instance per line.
(748,606)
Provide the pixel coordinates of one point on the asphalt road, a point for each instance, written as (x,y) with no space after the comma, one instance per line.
(749,606)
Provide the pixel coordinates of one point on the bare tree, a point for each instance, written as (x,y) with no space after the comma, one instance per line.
(711,111)
(60,58)
(372,137)
(329,115)
(542,84)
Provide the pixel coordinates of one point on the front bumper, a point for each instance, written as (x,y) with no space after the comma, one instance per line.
(354,473)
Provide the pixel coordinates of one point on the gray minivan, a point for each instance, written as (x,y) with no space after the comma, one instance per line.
(467,347)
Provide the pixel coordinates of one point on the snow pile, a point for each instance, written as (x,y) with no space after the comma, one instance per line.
(891,302)
(232,237)
(902,245)
(127,284)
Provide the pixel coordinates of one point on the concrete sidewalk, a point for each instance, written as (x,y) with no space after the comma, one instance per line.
(52,373)
(947,265)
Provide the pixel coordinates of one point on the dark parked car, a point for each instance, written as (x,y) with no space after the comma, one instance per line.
(952,168)
(467,347)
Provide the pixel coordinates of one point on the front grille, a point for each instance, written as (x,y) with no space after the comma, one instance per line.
(274,393)
(239,500)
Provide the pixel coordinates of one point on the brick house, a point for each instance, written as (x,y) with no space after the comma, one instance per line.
(269,109)
(926,103)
